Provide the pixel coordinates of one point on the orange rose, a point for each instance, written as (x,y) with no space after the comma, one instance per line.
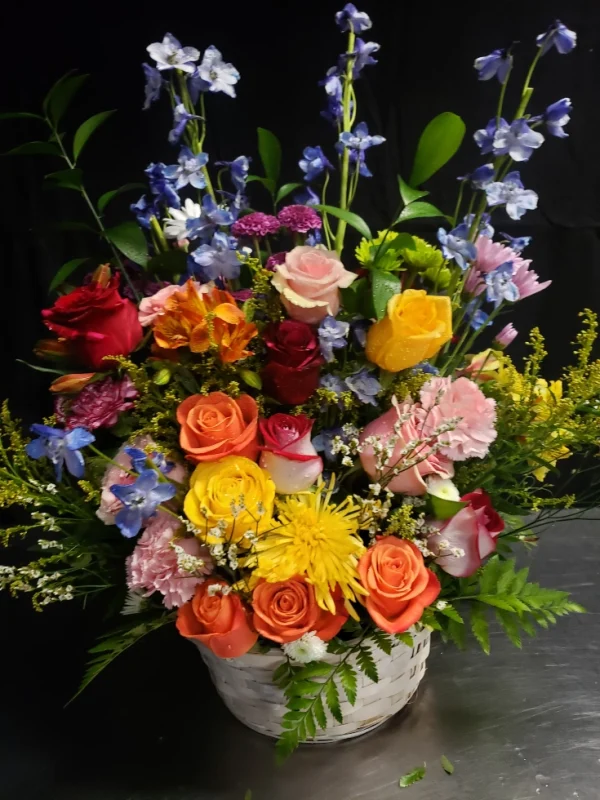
(218,620)
(215,425)
(399,584)
(286,610)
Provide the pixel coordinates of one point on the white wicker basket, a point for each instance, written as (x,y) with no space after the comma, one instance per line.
(247,690)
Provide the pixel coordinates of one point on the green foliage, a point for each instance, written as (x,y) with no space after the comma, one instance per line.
(35,149)
(64,272)
(59,97)
(418,210)
(350,217)
(129,239)
(66,179)
(285,190)
(384,286)
(85,130)
(447,765)
(113,644)
(438,143)
(269,149)
(366,663)
(414,776)
(408,194)
(383,641)
(107,197)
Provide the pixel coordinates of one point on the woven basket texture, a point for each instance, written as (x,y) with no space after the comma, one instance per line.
(247,690)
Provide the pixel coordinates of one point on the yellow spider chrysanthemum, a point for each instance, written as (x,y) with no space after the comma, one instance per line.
(317,539)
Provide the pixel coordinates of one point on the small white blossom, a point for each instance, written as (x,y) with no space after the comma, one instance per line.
(305,649)
(48,544)
(218,588)
(441,605)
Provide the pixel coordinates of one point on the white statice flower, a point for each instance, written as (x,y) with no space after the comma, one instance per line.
(305,649)
(217,75)
(176,225)
(169,54)
(442,488)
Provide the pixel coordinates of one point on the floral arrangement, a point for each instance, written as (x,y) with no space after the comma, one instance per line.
(281,440)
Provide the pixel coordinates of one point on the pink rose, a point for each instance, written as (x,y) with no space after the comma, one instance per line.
(468,537)
(288,454)
(153,307)
(109,505)
(153,565)
(408,481)
(444,399)
(309,282)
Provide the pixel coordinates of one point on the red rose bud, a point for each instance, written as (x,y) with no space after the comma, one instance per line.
(71,384)
(481,500)
(288,454)
(52,349)
(294,361)
(96,320)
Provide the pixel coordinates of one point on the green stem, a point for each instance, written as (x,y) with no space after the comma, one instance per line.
(346,126)
(326,225)
(458,203)
(501,98)
(527,88)
(158,234)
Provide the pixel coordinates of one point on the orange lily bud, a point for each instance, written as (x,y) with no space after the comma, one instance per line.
(71,384)
(102,275)
(52,349)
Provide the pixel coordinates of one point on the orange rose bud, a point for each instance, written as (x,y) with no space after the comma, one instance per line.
(399,584)
(72,384)
(52,349)
(218,620)
(414,328)
(102,275)
(286,610)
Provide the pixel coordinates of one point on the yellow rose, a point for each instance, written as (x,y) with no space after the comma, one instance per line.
(415,327)
(217,487)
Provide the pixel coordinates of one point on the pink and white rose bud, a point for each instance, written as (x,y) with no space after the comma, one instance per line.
(153,307)
(288,453)
(309,281)
(407,481)
(506,336)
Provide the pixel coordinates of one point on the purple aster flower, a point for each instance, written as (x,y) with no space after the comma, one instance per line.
(140,500)
(188,170)
(474,315)
(332,336)
(485,228)
(516,243)
(333,383)
(350,18)
(313,163)
(510,192)
(484,137)
(214,74)
(238,170)
(364,385)
(323,442)
(307,197)
(218,259)
(62,448)
(256,224)
(333,87)
(363,56)
(153,85)
(559,36)
(169,54)
(140,459)
(496,65)
(181,117)
(144,210)
(500,285)
(162,187)
(556,117)
(456,246)
(517,140)
(481,176)
(299,219)
(359,138)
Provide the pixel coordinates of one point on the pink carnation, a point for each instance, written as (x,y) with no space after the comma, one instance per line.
(98,405)
(444,399)
(153,566)
(299,219)
(255,224)
(116,473)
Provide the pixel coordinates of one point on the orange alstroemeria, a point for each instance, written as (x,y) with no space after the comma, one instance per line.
(201,320)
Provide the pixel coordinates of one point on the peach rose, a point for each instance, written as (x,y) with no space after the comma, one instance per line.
(215,425)
(218,620)
(309,282)
(399,584)
(286,610)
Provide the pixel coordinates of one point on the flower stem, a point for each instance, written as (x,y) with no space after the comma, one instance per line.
(346,126)
(527,89)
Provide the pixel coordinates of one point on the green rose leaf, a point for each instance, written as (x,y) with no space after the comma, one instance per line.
(408,194)
(107,197)
(35,149)
(419,210)
(66,179)
(60,95)
(384,286)
(64,272)
(130,240)
(85,130)
(269,149)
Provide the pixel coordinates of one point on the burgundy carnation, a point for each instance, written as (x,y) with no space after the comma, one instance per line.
(299,219)
(255,224)
(274,261)
(294,361)
(98,405)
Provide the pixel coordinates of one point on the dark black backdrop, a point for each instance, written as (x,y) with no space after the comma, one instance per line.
(281,50)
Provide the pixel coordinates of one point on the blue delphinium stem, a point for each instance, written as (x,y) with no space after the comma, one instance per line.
(501,98)
(458,203)
(346,126)
(326,225)
(527,89)
(195,136)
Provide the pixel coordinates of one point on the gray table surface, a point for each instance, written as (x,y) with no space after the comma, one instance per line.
(518,725)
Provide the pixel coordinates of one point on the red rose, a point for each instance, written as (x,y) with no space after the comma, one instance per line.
(294,360)
(490,517)
(96,320)
(288,454)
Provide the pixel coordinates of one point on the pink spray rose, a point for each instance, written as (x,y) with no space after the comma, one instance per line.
(444,399)
(153,307)
(153,566)
(309,282)
(408,481)
(109,505)
(288,453)
(468,537)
